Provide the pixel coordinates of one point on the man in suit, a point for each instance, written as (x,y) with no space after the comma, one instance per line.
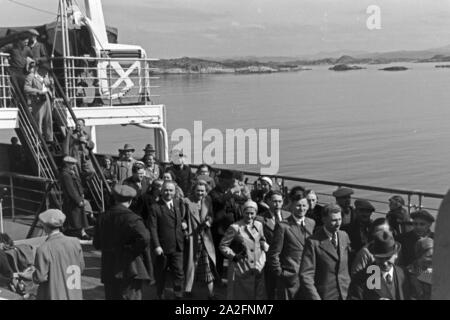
(359,230)
(125,244)
(73,200)
(382,280)
(167,227)
(315,209)
(324,273)
(285,252)
(269,220)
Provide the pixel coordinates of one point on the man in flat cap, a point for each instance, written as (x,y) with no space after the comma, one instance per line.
(324,273)
(344,200)
(124,166)
(422,222)
(397,216)
(358,230)
(59,262)
(124,240)
(167,223)
(382,280)
(73,200)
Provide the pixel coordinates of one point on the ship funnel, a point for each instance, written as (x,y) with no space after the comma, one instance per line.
(94,11)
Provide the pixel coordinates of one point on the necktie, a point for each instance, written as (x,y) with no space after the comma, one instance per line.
(334,240)
(389,279)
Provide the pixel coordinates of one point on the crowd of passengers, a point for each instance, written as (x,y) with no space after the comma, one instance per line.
(212,229)
(165,219)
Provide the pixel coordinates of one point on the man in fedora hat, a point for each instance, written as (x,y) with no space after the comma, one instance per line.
(59,262)
(125,244)
(73,200)
(382,280)
(358,230)
(422,222)
(124,166)
(343,197)
(149,150)
(324,273)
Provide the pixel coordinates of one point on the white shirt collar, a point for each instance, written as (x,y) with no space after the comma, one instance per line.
(169,204)
(390,272)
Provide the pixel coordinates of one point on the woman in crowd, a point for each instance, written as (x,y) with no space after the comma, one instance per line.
(108,170)
(245,246)
(170,176)
(204,173)
(201,255)
(420,271)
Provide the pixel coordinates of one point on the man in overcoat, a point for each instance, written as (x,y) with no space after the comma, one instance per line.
(125,244)
(73,200)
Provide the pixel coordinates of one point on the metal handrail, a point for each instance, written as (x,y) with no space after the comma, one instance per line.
(105,59)
(23,107)
(24,177)
(342,184)
(74,118)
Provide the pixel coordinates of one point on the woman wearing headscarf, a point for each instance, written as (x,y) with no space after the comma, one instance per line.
(245,246)
(201,254)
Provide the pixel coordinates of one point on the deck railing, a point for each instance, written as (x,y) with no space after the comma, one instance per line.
(92,81)
(379,196)
(23,197)
(5,88)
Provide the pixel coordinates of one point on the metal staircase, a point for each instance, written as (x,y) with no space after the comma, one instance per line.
(97,185)
(33,140)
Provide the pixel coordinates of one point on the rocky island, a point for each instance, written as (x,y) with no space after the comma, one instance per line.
(344,67)
(394,69)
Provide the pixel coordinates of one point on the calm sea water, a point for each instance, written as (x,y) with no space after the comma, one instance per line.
(368,126)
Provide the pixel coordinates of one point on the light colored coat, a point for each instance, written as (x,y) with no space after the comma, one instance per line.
(59,263)
(245,278)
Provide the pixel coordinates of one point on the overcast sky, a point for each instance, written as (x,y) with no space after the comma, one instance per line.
(227,28)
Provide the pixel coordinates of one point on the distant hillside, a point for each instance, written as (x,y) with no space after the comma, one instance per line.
(252,64)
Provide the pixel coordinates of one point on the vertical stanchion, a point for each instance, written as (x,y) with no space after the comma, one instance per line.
(13,207)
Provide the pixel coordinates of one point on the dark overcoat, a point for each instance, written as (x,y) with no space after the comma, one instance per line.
(125,244)
(72,196)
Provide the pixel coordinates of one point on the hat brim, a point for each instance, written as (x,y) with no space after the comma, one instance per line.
(388,254)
